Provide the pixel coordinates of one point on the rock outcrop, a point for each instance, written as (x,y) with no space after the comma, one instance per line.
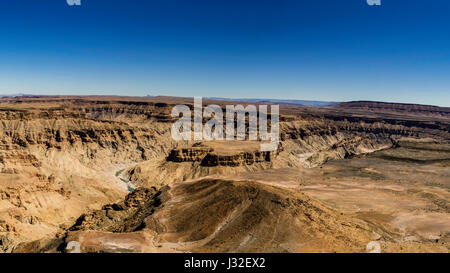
(191,154)
(244,158)
(208,157)
(215,216)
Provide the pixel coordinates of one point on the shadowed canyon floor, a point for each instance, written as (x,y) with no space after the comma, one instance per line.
(343,176)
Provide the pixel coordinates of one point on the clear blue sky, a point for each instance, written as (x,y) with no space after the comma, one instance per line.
(334,50)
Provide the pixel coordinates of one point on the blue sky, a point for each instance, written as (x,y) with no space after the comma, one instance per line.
(333,50)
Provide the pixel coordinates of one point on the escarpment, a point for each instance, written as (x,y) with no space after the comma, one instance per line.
(69,133)
(58,158)
(209,157)
(401,108)
(192,154)
(245,158)
(335,137)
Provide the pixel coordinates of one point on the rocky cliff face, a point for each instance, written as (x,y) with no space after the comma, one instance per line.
(244,158)
(13,161)
(126,216)
(340,136)
(208,157)
(58,158)
(192,154)
(397,108)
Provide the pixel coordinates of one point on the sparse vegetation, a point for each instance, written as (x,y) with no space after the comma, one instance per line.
(119,172)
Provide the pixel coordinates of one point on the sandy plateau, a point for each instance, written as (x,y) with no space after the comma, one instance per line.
(105,172)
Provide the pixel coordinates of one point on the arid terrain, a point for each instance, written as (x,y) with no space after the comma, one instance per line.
(106,173)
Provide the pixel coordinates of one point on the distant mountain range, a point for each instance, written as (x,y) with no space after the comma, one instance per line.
(312,103)
(13,95)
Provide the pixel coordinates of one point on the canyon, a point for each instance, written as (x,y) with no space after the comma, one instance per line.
(105,172)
